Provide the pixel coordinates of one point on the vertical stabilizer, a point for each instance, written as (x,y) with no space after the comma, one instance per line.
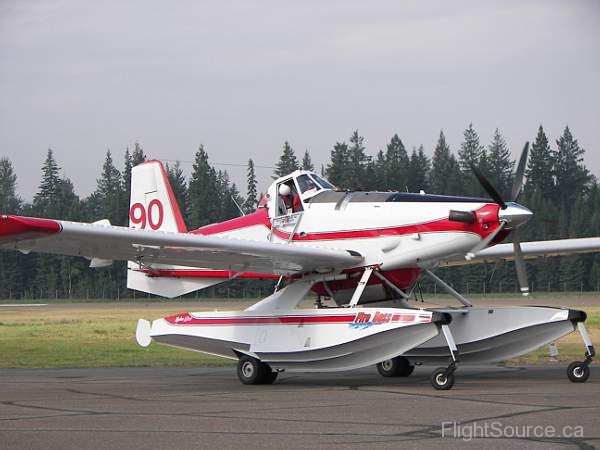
(153,207)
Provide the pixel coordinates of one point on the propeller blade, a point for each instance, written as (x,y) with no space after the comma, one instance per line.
(491,190)
(520,266)
(519,174)
(484,242)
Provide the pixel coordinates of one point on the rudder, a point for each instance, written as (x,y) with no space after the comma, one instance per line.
(153,206)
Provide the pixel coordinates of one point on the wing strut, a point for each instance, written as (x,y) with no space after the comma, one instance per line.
(362,284)
(391,285)
(441,283)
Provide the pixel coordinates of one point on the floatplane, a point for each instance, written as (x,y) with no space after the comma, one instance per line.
(364,251)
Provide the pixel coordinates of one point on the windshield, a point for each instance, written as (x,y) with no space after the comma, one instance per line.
(322,182)
(307,184)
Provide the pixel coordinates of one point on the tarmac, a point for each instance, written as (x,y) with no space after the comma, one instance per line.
(522,407)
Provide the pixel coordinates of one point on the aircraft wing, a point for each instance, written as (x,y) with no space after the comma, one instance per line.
(107,242)
(533,249)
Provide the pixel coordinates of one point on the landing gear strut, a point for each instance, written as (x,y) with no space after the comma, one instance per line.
(442,378)
(252,371)
(579,371)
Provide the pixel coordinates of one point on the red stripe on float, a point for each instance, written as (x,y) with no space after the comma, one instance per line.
(187,319)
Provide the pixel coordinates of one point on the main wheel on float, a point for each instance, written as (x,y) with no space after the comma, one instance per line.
(252,371)
(395,367)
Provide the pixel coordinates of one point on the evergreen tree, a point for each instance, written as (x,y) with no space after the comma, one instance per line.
(396,165)
(56,198)
(128,165)
(69,206)
(357,163)
(379,172)
(337,169)
(204,206)
(499,165)
(10,202)
(539,196)
(471,153)
(287,161)
(138,156)
(540,167)
(226,197)
(110,196)
(179,185)
(46,201)
(445,177)
(226,209)
(572,178)
(252,195)
(418,170)
(307,162)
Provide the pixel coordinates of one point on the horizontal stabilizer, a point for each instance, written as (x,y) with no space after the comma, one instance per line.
(169,287)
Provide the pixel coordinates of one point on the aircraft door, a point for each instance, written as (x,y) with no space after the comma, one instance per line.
(288,198)
(288,209)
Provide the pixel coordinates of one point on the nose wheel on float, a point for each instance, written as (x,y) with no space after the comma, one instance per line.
(579,371)
(442,378)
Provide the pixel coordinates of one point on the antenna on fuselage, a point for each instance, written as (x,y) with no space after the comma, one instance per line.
(238,206)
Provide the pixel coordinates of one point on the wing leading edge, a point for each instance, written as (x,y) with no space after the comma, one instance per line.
(106,242)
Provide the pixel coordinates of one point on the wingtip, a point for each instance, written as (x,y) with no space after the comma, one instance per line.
(13,227)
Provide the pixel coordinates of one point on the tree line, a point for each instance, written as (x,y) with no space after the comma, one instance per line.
(561,191)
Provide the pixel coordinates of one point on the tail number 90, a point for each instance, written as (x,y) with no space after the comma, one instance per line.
(152,216)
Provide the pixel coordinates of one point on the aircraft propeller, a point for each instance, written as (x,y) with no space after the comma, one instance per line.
(511,214)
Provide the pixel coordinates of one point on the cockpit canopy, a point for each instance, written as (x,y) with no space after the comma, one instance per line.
(303,185)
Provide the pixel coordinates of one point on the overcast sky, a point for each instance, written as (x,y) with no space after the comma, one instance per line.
(242,77)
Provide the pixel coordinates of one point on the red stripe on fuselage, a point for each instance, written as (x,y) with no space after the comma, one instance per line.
(482,227)
(258,217)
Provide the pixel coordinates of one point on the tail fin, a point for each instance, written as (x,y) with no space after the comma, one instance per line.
(153,207)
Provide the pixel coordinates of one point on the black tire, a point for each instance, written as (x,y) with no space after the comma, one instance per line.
(442,381)
(578,372)
(395,367)
(252,371)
